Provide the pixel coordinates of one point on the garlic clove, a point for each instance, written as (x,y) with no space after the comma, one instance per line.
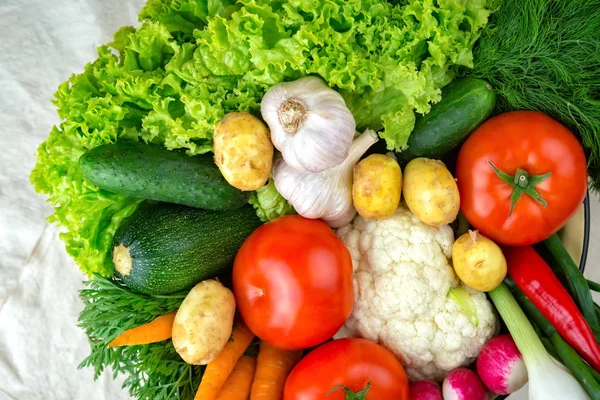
(309,122)
(326,194)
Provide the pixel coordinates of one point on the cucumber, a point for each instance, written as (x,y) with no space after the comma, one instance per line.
(465,104)
(152,172)
(163,248)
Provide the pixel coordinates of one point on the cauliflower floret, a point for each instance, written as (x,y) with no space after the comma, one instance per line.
(402,276)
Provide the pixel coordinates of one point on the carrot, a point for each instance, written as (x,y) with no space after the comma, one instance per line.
(154,331)
(237,386)
(273,366)
(218,370)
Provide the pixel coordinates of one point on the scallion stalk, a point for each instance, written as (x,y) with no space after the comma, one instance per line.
(575,280)
(595,286)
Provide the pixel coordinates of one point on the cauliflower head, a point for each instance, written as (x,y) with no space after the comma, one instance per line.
(402,278)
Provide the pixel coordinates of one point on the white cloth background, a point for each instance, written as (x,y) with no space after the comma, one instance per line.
(41,43)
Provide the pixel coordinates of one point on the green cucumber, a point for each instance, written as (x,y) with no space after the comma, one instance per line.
(465,104)
(163,248)
(152,172)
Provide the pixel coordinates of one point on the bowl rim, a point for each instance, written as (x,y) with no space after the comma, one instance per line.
(586,231)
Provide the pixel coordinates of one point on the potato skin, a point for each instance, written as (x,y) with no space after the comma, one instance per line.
(243,150)
(204,322)
(430,191)
(377,186)
(478,261)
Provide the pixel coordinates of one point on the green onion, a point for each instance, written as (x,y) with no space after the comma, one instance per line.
(596,331)
(595,286)
(575,280)
(548,345)
(594,373)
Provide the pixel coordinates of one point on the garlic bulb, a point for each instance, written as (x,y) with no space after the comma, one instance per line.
(309,122)
(326,194)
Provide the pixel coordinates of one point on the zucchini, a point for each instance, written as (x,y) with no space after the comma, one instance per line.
(163,248)
(465,104)
(150,171)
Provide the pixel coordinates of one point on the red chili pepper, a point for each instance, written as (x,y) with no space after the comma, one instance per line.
(535,278)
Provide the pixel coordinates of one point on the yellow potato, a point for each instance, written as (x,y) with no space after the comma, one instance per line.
(430,191)
(377,186)
(243,150)
(204,322)
(478,261)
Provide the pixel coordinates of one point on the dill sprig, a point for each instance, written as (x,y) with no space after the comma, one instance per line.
(544,55)
(154,371)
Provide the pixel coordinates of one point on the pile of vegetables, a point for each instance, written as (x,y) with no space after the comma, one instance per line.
(297,200)
(173,78)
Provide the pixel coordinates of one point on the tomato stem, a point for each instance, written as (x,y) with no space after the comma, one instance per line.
(522,183)
(350,395)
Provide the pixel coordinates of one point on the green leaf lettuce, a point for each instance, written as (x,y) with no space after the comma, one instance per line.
(269,203)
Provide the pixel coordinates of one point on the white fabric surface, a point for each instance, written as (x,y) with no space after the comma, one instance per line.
(42,43)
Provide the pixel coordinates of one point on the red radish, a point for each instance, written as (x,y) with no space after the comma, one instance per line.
(500,365)
(463,384)
(425,390)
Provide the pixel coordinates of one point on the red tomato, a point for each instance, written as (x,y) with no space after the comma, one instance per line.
(351,363)
(549,165)
(292,281)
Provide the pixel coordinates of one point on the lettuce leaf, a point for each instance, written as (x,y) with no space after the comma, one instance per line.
(170,80)
(269,203)
(182,17)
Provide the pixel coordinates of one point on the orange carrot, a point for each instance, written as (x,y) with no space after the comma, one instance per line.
(218,370)
(273,366)
(154,331)
(237,386)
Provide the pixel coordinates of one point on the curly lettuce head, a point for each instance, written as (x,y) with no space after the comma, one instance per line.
(191,61)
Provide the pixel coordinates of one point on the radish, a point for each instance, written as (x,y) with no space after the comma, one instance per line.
(463,384)
(425,390)
(500,365)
